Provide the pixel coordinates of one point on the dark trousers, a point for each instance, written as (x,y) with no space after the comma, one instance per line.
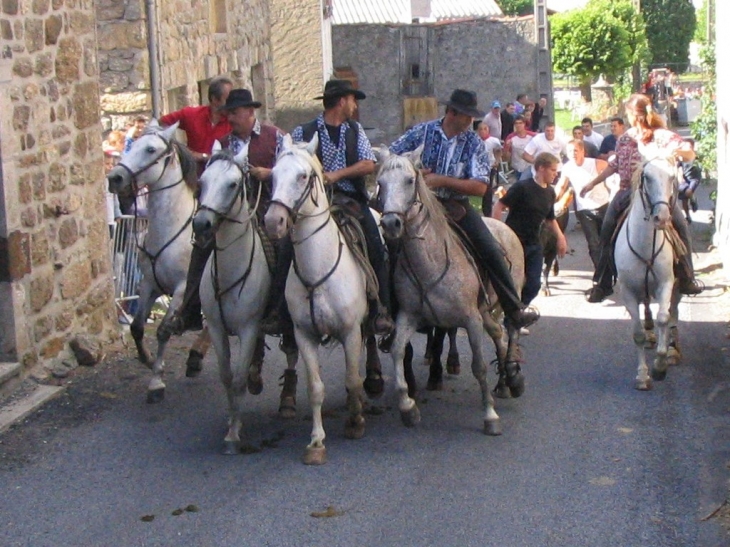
(489,254)
(533,272)
(591,221)
(198,260)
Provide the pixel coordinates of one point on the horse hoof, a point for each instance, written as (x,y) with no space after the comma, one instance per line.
(255,386)
(288,408)
(315,455)
(674,356)
(155,396)
(501,391)
(411,417)
(146,359)
(644,385)
(453,366)
(374,386)
(658,375)
(355,430)
(194,364)
(516,385)
(493,428)
(231,448)
(434,385)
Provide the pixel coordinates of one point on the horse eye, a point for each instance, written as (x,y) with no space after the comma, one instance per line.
(411,180)
(232,185)
(150,149)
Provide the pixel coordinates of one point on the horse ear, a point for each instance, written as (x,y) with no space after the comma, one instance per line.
(382,153)
(169,132)
(287,142)
(313,144)
(415,156)
(217,146)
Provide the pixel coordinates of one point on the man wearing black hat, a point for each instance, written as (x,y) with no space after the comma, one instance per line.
(263,142)
(456,166)
(346,156)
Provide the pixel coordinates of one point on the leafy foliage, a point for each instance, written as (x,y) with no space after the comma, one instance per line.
(633,22)
(704,127)
(589,42)
(516,7)
(670,25)
(700,35)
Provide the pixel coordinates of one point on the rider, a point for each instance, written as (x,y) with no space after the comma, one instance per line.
(647,132)
(347,158)
(456,166)
(263,143)
(204,124)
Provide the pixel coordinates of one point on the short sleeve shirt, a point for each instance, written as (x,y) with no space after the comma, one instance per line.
(529,206)
(540,144)
(630,154)
(195,121)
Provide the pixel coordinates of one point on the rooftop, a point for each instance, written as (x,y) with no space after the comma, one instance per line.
(353,12)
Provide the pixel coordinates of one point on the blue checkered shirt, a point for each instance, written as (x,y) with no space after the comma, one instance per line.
(461,157)
(335,157)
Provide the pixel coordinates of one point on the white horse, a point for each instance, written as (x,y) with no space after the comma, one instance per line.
(437,282)
(326,288)
(169,172)
(645,262)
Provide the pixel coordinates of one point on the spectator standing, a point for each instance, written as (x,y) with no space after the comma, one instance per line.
(537,114)
(134,132)
(508,120)
(515,145)
(493,119)
(493,146)
(589,135)
(589,148)
(608,146)
(544,142)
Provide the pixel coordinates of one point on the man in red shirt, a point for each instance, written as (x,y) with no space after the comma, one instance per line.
(203,125)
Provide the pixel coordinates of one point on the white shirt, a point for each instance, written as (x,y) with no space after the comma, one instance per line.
(595,137)
(494,123)
(579,177)
(518,147)
(490,145)
(540,144)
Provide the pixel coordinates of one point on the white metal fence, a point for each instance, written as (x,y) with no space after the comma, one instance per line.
(125,254)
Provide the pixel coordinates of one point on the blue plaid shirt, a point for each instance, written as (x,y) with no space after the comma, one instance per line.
(461,157)
(334,157)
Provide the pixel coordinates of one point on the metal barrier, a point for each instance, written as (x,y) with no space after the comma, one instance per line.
(127,275)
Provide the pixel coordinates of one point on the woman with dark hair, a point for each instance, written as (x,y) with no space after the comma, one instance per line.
(647,137)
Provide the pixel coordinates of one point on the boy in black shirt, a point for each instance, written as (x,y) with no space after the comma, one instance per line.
(530,203)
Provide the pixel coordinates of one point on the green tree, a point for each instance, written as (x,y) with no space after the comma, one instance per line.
(589,42)
(670,26)
(700,35)
(516,7)
(633,22)
(704,127)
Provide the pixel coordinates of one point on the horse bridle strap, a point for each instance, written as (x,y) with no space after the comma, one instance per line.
(166,153)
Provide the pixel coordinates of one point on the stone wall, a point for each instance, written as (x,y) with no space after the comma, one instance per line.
(296,40)
(190,50)
(495,58)
(55,278)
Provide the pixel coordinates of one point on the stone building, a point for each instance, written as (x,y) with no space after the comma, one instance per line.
(55,278)
(158,57)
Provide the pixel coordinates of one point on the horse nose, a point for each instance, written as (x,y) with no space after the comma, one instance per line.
(276,221)
(114,181)
(201,225)
(392,225)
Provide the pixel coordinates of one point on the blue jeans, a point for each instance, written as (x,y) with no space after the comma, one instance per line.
(533,272)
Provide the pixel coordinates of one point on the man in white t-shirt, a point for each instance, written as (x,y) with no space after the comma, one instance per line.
(514,147)
(590,210)
(590,135)
(493,146)
(544,142)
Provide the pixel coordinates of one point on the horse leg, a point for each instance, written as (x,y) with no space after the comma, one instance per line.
(194,364)
(436,369)
(649,326)
(664,296)
(428,355)
(374,383)
(409,412)
(546,279)
(156,388)
(643,381)
(509,370)
(408,371)
(355,423)
(674,352)
(453,365)
(255,383)
(315,453)
(234,380)
(288,396)
(145,300)
(475,328)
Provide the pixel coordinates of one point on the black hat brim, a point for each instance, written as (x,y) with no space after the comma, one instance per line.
(359,95)
(242,104)
(473,112)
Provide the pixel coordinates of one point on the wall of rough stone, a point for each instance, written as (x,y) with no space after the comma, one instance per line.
(296,40)
(55,278)
(495,58)
(189,52)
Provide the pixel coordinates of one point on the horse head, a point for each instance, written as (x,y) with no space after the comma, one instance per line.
(222,186)
(658,190)
(298,187)
(146,162)
(399,182)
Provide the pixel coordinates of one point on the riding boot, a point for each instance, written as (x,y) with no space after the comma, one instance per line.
(685,268)
(379,310)
(188,317)
(277,310)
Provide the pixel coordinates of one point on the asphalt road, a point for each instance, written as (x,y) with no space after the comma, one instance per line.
(585,460)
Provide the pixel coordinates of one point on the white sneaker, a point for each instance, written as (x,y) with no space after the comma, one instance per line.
(524,331)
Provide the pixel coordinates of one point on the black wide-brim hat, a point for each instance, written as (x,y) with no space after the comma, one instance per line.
(465,102)
(340,88)
(240,98)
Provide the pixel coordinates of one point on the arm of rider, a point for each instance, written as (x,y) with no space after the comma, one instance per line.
(607,172)
(498,209)
(470,187)
(260,173)
(684,152)
(359,169)
(559,235)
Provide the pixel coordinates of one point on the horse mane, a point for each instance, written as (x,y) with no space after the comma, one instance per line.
(298,149)
(638,173)
(426,196)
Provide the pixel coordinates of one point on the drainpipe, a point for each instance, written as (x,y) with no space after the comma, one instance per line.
(154,60)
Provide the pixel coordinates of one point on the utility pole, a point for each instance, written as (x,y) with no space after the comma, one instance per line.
(636,69)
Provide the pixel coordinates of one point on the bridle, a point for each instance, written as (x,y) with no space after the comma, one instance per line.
(240,195)
(166,154)
(649,205)
(405,215)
